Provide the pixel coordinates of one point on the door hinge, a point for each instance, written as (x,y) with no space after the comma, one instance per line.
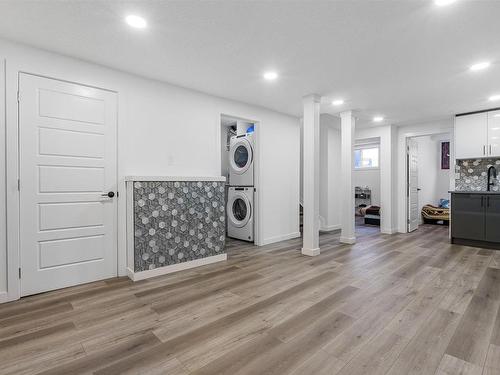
(18,96)
(19,272)
(117,194)
(18,184)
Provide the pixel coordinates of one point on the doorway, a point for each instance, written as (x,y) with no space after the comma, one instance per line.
(367,185)
(428,170)
(239,160)
(68,184)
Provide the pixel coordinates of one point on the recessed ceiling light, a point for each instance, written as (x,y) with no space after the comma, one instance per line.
(480,66)
(338,102)
(378,119)
(443,2)
(270,76)
(494,98)
(136,21)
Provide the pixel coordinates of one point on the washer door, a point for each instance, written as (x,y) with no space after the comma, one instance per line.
(239,210)
(240,156)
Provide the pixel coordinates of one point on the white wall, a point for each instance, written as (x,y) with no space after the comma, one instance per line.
(3,223)
(370,178)
(329,198)
(433,181)
(162,130)
(392,167)
(403,132)
(388,202)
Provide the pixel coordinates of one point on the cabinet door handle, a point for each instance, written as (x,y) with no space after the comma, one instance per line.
(484,149)
(490,154)
(482,201)
(487,201)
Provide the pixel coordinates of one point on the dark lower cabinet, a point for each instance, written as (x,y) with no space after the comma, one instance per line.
(475,218)
(492,218)
(467,220)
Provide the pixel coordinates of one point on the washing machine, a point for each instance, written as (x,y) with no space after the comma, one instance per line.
(241,160)
(240,213)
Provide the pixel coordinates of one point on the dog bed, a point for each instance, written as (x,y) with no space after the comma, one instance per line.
(435,215)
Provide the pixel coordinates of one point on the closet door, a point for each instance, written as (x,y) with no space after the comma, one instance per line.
(67,181)
(471,136)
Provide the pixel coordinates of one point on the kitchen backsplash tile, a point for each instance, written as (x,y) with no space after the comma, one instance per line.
(471,174)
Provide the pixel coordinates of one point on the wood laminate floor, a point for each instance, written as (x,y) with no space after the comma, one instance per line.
(401,304)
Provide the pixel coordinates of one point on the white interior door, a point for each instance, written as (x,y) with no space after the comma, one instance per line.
(67,164)
(413,214)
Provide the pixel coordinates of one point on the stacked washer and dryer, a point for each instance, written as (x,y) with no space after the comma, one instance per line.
(240,196)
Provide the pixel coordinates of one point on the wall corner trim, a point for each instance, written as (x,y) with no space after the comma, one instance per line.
(283,237)
(4,297)
(388,230)
(136,276)
(329,228)
(348,240)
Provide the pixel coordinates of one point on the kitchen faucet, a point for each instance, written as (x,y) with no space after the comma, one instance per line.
(492,168)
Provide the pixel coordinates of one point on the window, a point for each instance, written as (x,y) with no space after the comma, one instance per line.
(366,157)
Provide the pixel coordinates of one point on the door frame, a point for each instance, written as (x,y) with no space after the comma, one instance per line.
(12,151)
(403,176)
(360,142)
(3,201)
(408,221)
(258,194)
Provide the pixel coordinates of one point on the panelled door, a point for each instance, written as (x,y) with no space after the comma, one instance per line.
(67,162)
(413,214)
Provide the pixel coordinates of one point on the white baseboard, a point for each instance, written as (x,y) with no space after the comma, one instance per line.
(4,297)
(388,230)
(284,237)
(136,276)
(330,228)
(348,240)
(311,252)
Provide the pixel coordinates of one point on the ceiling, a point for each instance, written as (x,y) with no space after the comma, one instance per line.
(405,60)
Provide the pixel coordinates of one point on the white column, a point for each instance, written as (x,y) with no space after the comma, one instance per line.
(387,166)
(311,175)
(347,126)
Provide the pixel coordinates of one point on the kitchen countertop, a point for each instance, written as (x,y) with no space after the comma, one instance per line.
(474,192)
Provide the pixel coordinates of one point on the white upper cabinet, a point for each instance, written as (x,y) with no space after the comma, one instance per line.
(471,136)
(494,133)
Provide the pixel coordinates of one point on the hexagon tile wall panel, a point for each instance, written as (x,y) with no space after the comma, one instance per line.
(176,222)
(471,175)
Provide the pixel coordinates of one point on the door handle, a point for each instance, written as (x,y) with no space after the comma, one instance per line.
(109,194)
